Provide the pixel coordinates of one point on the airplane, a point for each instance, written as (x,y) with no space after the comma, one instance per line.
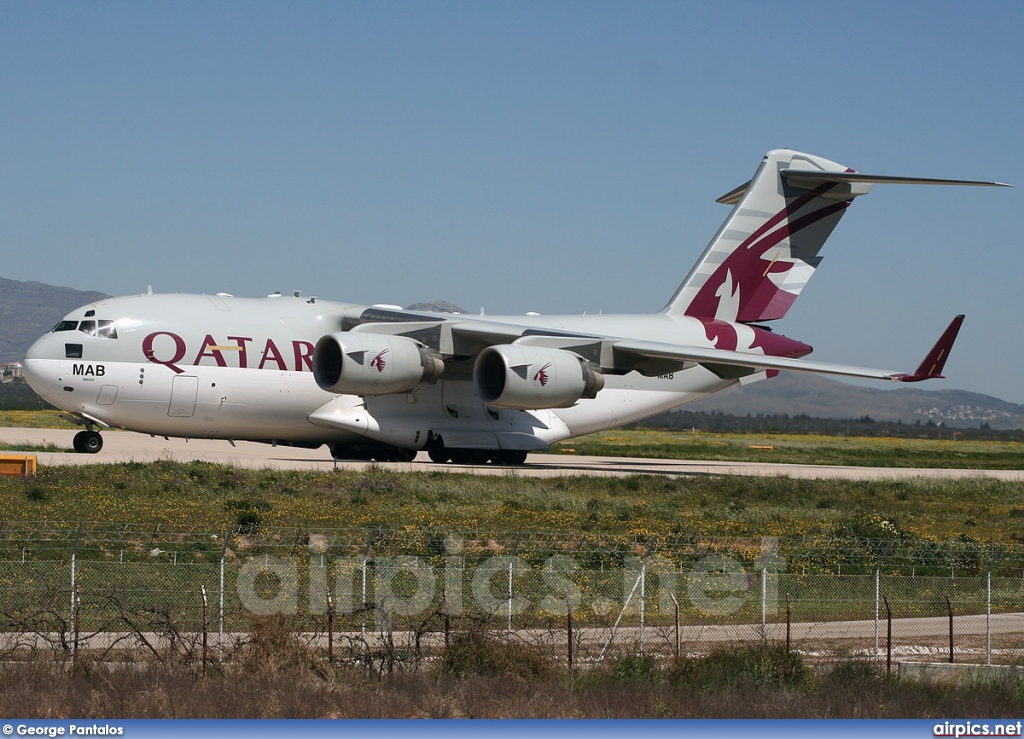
(382,383)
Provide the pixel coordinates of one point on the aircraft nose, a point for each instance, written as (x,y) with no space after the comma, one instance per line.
(40,366)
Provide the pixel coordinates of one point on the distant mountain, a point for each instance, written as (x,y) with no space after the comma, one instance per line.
(30,309)
(436,306)
(819,397)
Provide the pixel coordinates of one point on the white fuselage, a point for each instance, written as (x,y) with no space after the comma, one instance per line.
(237,368)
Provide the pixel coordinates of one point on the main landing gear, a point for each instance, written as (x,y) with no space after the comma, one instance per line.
(435,449)
(372,453)
(88,442)
(440,454)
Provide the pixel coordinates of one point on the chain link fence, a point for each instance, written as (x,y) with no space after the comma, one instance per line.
(385,597)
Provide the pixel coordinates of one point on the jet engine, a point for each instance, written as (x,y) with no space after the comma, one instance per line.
(530,378)
(372,364)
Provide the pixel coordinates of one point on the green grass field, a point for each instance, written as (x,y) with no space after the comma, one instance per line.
(203,495)
(801,449)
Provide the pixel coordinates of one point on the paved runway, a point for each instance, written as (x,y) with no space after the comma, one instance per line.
(123,446)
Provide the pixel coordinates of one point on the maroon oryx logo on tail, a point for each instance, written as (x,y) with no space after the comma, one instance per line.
(541,375)
(378,362)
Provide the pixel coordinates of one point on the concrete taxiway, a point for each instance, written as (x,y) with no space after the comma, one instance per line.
(124,446)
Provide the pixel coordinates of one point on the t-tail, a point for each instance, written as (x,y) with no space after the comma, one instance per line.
(763,255)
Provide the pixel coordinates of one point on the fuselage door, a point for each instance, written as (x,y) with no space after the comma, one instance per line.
(107,396)
(184,389)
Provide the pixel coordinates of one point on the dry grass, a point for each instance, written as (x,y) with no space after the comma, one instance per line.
(277,680)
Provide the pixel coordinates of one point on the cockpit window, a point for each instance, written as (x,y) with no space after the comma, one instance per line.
(106,330)
(66,326)
(102,329)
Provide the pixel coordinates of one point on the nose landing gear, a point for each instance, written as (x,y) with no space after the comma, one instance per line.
(88,442)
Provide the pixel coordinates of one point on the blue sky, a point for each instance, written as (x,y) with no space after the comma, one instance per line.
(544,156)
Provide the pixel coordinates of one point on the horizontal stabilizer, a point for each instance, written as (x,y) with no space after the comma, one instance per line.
(810,178)
(813,178)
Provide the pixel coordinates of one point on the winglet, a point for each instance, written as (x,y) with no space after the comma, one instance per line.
(931,367)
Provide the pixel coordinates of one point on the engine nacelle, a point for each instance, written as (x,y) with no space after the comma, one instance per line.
(531,378)
(351,363)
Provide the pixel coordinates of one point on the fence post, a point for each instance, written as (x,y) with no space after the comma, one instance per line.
(202,588)
(988,615)
(675,603)
(74,581)
(77,595)
(220,627)
(615,625)
(878,574)
(220,612)
(764,605)
(988,606)
(330,627)
(366,559)
(511,561)
(568,606)
(888,636)
(447,618)
(789,620)
(949,605)
(643,600)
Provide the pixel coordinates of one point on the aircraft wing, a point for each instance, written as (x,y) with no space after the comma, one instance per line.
(466,336)
(450,334)
(455,334)
(637,353)
(718,360)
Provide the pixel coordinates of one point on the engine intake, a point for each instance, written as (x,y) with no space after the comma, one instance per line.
(350,363)
(531,378)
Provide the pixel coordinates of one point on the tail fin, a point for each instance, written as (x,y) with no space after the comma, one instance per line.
(767,249)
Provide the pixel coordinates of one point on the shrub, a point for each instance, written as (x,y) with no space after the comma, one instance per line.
(36,493)
(248,514)
(476,653)
(635,667)
(274,644)
(763,667)
(856,675)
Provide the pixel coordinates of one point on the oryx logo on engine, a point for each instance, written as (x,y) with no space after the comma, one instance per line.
(541,375)
(378,362)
